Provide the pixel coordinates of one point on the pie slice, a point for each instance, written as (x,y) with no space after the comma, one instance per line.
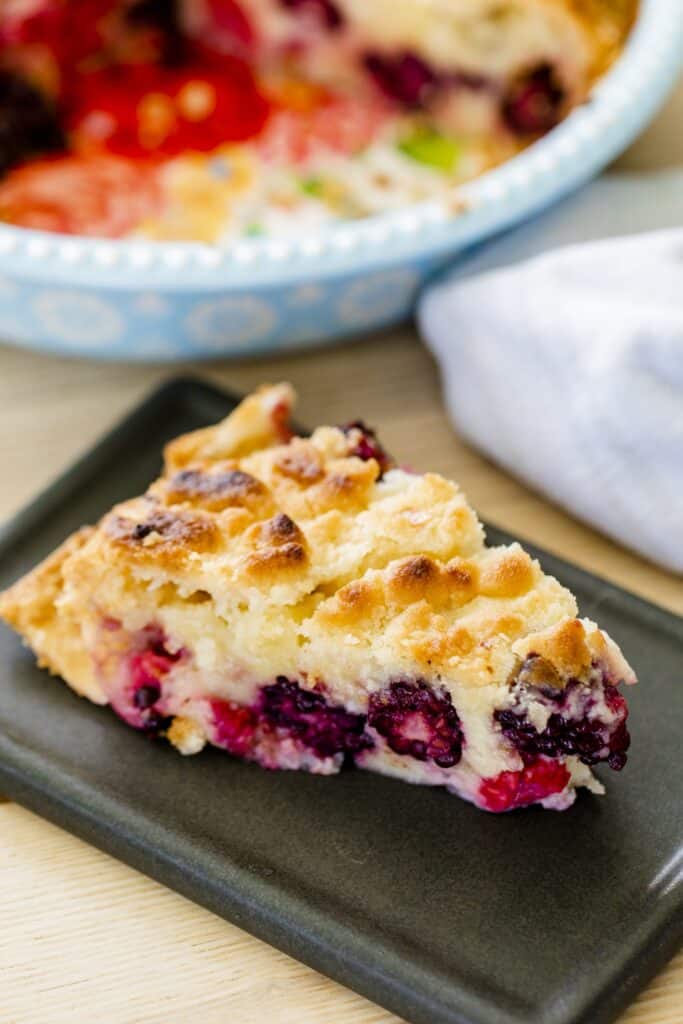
(303,602)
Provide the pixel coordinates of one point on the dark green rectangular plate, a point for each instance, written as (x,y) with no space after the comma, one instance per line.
(438,911)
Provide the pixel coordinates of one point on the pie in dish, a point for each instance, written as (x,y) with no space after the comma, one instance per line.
(303,602)
(210,119)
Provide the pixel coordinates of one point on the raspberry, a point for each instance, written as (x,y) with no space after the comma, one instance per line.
(537,780)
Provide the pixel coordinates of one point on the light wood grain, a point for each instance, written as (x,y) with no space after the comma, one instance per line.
(86,939)
(98,943)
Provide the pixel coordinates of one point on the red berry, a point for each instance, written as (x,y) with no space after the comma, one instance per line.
(235,726)
(537,780)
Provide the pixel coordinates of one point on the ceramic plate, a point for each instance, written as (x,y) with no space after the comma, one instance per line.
(440,912)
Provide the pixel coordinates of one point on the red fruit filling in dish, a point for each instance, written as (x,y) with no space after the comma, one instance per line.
(149,81)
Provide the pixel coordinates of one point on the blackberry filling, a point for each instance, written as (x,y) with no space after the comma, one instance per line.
(533,104)
(28,122)
(416,720)
(367,446)
(326,11)
(586,722)
(146,696)
(324,728)
(147,670)
(285,711)
(405,78)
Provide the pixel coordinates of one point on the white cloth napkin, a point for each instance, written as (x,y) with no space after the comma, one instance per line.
(566,368)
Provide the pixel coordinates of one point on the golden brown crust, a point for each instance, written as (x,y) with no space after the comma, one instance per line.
(280,545)
(213,489)
(608,22)
(297,557)
(161,531)
(565,649)
(301,462)
(30,603)
(31,607)
(259,422)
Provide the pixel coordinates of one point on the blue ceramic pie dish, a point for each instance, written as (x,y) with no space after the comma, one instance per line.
(139,300)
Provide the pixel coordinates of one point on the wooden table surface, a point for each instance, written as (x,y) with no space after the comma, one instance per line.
(86,940)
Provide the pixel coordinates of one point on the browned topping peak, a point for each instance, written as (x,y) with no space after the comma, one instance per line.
(280,544)
(565,649)
(355,595)
(259,422)
(418,568)
(415,578)
(214,491)
(347,484)
(508,576)
(300,462)
(461,576)
(162,530)
(288,556)
(281,530)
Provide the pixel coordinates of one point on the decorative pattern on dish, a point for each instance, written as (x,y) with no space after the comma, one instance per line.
(260,117)
(304,603)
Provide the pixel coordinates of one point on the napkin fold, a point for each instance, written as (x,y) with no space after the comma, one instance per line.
(566,367)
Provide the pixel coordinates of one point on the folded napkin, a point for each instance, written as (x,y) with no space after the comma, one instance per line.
(567,367)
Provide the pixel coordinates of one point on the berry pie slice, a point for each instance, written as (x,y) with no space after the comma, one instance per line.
(303,602)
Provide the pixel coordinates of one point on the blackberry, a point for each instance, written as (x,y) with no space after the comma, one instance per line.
(405,78)
(368,447)
(571,730)
(146,696)
(533,104)
(417,721)
(325,728)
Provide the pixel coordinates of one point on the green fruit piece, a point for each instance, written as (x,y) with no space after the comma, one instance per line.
(313,187)
(433,149)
